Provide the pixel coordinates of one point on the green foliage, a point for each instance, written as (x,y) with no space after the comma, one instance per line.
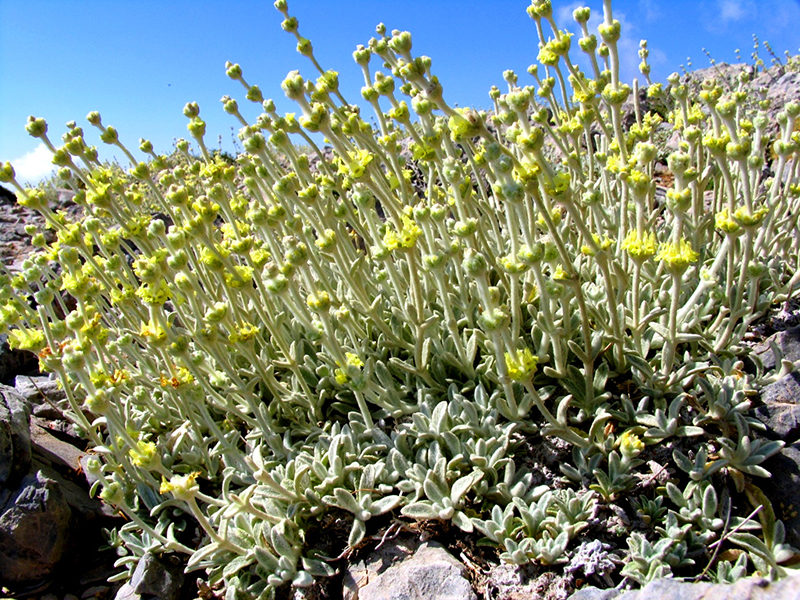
(251,345)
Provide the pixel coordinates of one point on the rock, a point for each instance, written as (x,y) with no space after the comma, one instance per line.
(593,593)
(85,509)
(781,410)
(37,388)
(97,591)
(34,530)
(788,342)
(753,588)
(431,573)
(782,90)
(15,443)
(783,489)
(153,576)
(126,593)
(14,362)
(7,196)
(57,452)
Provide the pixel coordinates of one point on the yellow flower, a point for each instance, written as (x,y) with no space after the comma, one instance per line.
(466,124)
(183,487)
(603,244)
(351,368)
(243,333)
(26,339)
(144,455)
(630,444)
(677,256)
(521,365)
(724,222)
(742,217)
(405,238)
(153,331)
(639,248)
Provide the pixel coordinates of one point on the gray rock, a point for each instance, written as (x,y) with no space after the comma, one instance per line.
(97,591)
(57,452)
(34,530)
(126,593)
(754,588)
(85,509)
(35,388)
(15,442)
(431,573)
(155,577)
(783,489)
(781,410)
(13,362)
(593,593)
(788,343)
(361,573)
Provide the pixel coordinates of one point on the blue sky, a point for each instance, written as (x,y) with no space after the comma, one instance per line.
(138,62)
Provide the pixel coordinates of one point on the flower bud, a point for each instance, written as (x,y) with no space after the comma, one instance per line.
(7,172)
(610,33)
(474,263)
(581,14)
(293,86)
(362,55)
(36,127)
(304,47)
(290,24)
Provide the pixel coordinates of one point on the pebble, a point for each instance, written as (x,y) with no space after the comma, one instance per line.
(98,591)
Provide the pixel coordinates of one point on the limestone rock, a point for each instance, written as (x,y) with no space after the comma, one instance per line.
(34,530)
(15,442)
(788,342)
(781,409)
(783,489)
(34,388)
(752,588)
(153,577)
(430,573)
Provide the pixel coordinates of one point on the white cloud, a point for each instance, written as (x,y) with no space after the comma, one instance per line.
(35,165)
(650,9)
(732,10)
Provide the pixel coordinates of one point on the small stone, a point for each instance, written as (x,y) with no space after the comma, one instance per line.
(781,410)
(784,490)
(98,591)
(34,530)
(126,593)
(71,597)
(593,593)
(157,577)
(49,597)
(788,343)
(430,573)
